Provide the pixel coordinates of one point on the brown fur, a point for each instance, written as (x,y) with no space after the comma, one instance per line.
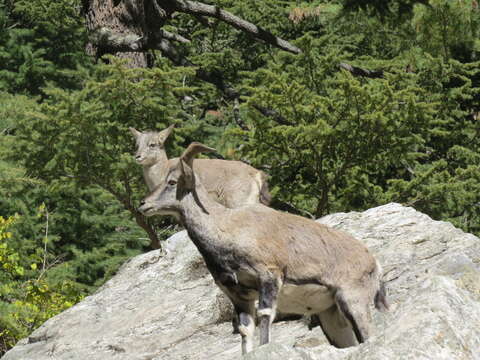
(229,182)
(255,253)
(322,248)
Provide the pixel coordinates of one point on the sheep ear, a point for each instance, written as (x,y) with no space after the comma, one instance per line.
(188,178)
(192,150)
(164,134)
(135,132)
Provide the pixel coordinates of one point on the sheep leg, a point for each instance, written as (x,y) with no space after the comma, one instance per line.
(355,308)
(246,325)
(267,304)
(337,330)
(247,330)
(235,323)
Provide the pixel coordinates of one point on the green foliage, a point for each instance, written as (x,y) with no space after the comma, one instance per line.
(87,225)
(450,28)
(330,141)
(84,134)
(443,191)
(81,137)
(338,140)
(384,8)
(25,305)
(40,41)
(90,234)
(445,182)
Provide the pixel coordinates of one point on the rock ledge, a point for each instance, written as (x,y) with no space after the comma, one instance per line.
(168,307)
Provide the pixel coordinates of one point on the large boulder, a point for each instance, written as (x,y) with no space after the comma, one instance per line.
(167,307)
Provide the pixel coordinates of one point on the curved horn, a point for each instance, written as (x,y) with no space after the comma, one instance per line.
(194,149)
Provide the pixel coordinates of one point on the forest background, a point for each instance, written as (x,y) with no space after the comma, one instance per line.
(380,103)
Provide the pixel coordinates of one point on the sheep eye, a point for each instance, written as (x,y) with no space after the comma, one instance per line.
(152,145)
(172,182)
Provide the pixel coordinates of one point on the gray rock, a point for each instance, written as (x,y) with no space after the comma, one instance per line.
(167,307)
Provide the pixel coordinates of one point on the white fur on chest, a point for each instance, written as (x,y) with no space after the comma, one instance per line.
(304,299)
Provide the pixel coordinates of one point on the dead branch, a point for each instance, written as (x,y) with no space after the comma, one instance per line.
(200,9)
(173,37)
(357,71)
(271,113)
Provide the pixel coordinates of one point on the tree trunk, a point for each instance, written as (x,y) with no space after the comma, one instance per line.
(124,17)
(129,28)
(322,205)
(152,235)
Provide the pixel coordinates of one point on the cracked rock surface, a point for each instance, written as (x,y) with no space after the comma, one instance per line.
(167,307)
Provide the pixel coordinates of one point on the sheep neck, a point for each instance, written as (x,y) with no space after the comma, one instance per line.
(201,215)
(154,174)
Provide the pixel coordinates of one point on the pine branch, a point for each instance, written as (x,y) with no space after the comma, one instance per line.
(213,77)
(200,9)
(111,41)
(114,42)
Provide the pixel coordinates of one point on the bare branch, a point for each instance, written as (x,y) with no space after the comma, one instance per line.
(112,41)
(205,21)
(140,219)
(287,206)
(271,113)
(357,71)
(236,115)
(200,9)
(173,37)
(169,51)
